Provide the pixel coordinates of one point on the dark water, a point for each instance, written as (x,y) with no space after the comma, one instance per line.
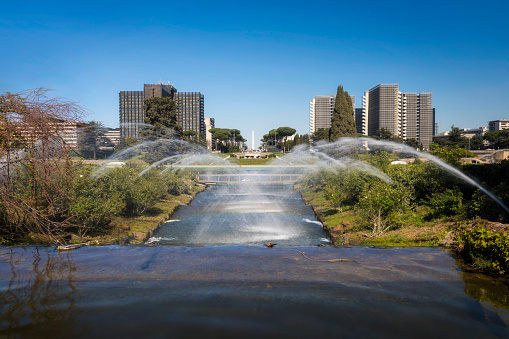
(247,214)
(245,291)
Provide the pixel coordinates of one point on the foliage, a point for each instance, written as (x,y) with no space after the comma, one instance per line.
(456,138)
(451,155)
(180,182)
(498,139)
(91,139)
(482,245)
(343,120)
(191,135)
(384,204)
(94,201)
(345,187)
(381,160)
(35,172)
(322,134)
(278,137)
(284,133)
(383,134)
(161,114)
(125,143)
(122,191)
(227,139)
(446,203)
(476,142)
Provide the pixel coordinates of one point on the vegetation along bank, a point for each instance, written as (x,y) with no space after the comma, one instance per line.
(422,206)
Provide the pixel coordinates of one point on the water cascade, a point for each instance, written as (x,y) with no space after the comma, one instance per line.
(247,210)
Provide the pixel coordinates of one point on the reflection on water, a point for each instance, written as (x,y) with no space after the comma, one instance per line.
(242,291)
(37,290)
(493,290)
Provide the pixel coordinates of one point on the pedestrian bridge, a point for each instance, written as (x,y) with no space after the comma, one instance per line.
(249,178)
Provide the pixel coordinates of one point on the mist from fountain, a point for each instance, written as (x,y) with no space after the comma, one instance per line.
(333,156)
(249,212)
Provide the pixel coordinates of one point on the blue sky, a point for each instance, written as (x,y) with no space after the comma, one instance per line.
(258,64)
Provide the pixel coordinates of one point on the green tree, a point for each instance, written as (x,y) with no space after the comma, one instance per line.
(189,134)
(322,134)
(476,142)
(284,133)
(161,113)
(126,143)
(227,139)
(498,139)
(383,134)
(456,138)
(343,120)
(452,155)
(92,138)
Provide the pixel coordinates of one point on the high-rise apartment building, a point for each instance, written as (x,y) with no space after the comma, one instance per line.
(190,111)
(190,108)
(404,115)
(321,109)
(358,120)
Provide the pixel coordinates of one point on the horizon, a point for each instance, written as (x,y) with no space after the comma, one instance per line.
(259,65)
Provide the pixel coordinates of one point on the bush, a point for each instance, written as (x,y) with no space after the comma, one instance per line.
(485,247)
(345,188)
(180,182)
(94,200)
(383,204)
(446,203)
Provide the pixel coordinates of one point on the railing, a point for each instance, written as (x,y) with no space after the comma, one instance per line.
(249,178)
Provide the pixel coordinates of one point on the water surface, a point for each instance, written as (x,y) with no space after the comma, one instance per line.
(240,291)
(244,214)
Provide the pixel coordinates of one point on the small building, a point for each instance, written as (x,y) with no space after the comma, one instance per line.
(498,125)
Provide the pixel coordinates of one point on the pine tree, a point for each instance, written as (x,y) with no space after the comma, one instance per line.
(343,120)
(161,113)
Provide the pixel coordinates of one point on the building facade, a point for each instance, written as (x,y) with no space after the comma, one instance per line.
(190,108)
(321,109)
(404,115)
(190,111)
(131,113)
(498,125)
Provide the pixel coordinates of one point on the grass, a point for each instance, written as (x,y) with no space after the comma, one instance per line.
(251,162)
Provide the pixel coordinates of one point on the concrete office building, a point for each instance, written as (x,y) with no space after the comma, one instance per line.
(190,108)
(404,115)
(321,109)
(190,111)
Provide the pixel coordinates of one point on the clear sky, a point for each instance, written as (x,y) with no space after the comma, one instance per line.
(260,63)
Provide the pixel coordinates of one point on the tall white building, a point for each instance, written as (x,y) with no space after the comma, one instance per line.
(321,109)
(404,115)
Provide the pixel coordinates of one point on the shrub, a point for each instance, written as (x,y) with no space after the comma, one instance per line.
(446,203)
(482,245)
(383,204)
(180,182)
(94,201)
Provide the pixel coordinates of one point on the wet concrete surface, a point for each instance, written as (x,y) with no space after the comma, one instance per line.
(240,291)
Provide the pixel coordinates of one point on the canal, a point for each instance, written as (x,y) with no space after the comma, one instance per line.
(207,272)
